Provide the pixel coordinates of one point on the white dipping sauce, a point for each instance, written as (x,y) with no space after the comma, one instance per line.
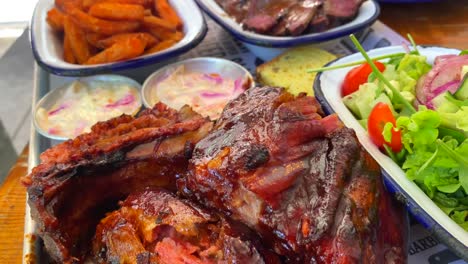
(84,104)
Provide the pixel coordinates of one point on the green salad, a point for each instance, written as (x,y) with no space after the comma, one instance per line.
(417,113)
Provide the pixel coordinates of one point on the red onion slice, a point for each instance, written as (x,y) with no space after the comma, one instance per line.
(126,100)
(446,71)
(450,86)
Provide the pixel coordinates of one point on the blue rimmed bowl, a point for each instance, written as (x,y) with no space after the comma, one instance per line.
(327,89)
(267,47)
(47,46)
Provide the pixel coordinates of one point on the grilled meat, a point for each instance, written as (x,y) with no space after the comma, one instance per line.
(301,181)
(81,179)
(272,164)
(154,226)
(290,17)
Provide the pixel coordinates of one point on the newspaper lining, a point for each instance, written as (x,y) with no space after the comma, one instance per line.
(423,247)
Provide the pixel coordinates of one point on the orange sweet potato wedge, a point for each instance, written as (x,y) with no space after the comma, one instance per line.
(164,34)
(108,42)
(55,19)
(166,12)
(88,3)
(116,11)
(158,23)
(123,50)
(161,46)
(94,38)
(101,26)
(77,40)
(67,50)
(66,5)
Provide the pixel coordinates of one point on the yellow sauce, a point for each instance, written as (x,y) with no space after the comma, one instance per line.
(207,94)
(84,104)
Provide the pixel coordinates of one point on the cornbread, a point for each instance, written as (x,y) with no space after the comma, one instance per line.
(289,69)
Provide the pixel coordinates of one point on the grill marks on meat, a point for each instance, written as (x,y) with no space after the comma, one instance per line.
(290,17)
(154,226)
(81,179)
(300,180)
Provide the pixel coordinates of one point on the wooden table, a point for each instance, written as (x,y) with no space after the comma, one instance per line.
(444,23)
(12,206)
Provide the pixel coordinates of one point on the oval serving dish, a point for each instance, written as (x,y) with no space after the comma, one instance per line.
(50,99)
(48,49)
(262,45)
(327,88)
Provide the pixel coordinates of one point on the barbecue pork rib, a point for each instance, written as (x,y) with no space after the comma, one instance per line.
(81,179)
(155,226)
(301,181)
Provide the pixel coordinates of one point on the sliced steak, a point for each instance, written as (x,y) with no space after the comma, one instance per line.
(343,9)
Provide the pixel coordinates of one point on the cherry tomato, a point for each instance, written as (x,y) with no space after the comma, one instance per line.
(379,116)
(357,76)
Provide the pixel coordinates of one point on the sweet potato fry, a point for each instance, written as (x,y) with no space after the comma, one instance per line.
(77,39)
(67,5)
(55,19)
(94,38)
(119,29)
(115,11)
(164,34)
(88,3)
(67,50)
(127,49)
(156,22)
(166,12)
(148,12)
(90,23)
(108,42)
(161,46)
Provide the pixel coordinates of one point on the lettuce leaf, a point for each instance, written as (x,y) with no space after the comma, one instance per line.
(460,217)
(439,166)
(414,66)
(458,120)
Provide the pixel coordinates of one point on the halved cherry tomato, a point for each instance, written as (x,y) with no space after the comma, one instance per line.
(379,116)
(357,76)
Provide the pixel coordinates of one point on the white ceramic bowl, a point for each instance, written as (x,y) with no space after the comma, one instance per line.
(267,47)
(327,88)
(48,49)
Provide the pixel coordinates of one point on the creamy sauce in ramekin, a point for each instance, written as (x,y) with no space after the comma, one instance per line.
(206,93)
(84,104)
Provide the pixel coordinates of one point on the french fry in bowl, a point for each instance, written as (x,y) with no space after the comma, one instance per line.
(77,39)
(67,50)
(129,48)
(108,42)
(106,31)
(115,11)
(102,26)
(55,19)
(165,11)
(88,3)
(161,46)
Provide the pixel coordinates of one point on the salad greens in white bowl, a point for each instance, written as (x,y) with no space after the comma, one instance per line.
(421,123)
